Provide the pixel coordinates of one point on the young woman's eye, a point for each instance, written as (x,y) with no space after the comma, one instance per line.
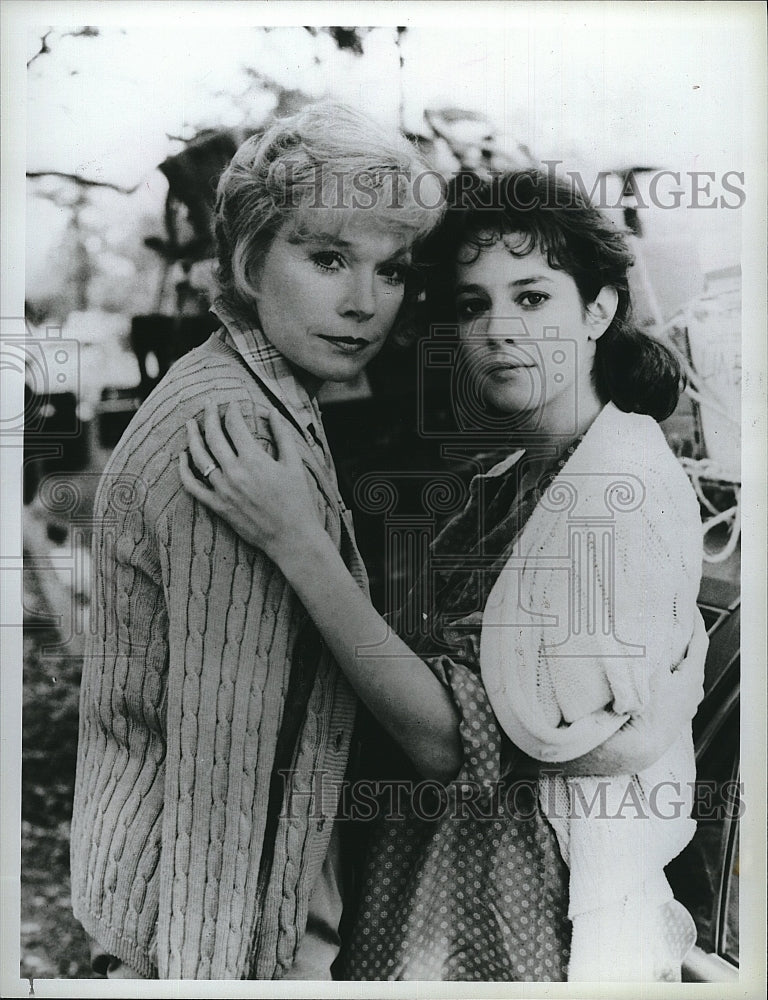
(532,299)
(469,308)
(327,260)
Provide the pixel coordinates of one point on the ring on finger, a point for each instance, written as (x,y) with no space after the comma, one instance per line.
(206,472)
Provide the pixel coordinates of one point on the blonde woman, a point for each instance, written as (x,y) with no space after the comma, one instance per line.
(208,698)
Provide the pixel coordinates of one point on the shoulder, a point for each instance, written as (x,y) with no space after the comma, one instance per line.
(654,504)
(209,373)
(633,444)
(625,473)
(147,453)
(625,439)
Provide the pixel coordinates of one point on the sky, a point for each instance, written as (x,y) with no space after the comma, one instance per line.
(611,84)
(599,85)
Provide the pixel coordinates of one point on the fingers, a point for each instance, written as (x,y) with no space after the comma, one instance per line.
(242,438)
(215,449)
(193,485)
(197,448)
(682,688)
(238,430)
(696,654)
(216,440)
(286,448)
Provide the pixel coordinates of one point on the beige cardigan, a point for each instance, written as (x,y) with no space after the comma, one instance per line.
(184,683)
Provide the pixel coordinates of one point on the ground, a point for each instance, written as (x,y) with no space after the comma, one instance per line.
(56,585)
(53,944)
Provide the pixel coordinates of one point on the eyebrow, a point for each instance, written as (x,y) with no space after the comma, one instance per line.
(520,283)
(531,281)
(403,254)
(319,237)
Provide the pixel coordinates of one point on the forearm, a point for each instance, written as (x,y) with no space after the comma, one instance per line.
(646,737)
(633,748)
(397,686)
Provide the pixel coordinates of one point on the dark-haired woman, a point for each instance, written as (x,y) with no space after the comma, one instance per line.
(563,629)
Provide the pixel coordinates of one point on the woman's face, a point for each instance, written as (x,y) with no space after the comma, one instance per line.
(328,303)
(528,338)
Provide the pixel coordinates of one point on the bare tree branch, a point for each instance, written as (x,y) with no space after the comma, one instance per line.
(87,32)
(43,47)
(83,181)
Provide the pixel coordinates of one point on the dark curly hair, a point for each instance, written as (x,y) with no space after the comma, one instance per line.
(631,369)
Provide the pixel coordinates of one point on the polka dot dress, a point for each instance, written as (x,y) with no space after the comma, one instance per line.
(479,897)
(470,886)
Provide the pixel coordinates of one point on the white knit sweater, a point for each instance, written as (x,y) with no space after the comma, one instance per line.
(598,596)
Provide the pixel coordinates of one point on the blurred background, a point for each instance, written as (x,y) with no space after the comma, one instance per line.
(128,129)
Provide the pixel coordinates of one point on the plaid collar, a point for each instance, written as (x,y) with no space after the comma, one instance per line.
(270,367)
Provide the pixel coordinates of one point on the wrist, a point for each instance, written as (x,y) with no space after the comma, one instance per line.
(301,551)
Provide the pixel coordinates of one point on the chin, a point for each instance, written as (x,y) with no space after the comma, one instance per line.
(510,401)
(342,375)
(331,373)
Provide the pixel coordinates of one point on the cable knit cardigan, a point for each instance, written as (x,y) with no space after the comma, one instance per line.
(184,685)
(598,596)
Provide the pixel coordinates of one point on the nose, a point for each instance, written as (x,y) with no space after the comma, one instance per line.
(500,331)
(359,300)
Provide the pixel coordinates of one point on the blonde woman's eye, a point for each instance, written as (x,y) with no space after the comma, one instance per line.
(395,274)
(327,260)
(532,298)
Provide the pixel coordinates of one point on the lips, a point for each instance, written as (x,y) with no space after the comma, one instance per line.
(349,345)
(507,366)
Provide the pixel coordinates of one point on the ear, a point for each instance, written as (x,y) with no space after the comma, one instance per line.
(600,313)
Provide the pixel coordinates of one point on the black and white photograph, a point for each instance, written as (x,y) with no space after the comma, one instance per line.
(383,444)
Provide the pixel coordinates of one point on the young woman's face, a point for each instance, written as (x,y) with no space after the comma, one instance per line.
(529,340)
(327,304)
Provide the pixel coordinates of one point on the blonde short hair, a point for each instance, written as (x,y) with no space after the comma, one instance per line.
(311,170)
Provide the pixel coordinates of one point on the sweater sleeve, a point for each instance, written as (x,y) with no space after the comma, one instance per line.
(229,628)
(569,646)
(645,582)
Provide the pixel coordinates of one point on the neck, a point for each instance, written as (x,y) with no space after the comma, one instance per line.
(552,431)
(311,383)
